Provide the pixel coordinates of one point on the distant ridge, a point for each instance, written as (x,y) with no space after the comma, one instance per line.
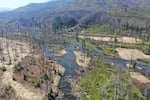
(5,9)
(45,12)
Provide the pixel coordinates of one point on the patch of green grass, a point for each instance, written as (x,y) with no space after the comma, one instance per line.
(104,80)
(109,51)
(90,46)
(148,77)
(97,29)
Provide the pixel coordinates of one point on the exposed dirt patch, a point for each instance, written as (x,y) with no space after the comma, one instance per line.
(133,54)
(82,59)
(139,77)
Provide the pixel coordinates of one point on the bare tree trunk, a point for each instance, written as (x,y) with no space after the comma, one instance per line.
(7,47)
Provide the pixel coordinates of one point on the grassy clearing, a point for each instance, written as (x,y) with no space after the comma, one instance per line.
(94,29)
(90,46)
(109,51)
(107,82)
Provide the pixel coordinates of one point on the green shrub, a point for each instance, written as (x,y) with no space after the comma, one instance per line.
(32,62)
(3,69)
(47,77)
(18,67)
(25,77)
(36,82)
(108,51)
(104,80)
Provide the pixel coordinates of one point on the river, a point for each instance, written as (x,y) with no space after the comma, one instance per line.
(68,62)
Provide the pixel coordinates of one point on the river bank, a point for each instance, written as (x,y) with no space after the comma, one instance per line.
(81,59)
(133,54)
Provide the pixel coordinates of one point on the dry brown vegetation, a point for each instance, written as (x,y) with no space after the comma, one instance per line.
(36,73)
(30,76)
(7,92)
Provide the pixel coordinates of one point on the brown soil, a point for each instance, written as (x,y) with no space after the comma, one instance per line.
(7,93)
(82,59)
(139,77)
(133,54)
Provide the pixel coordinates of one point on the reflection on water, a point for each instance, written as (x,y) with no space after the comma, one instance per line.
(68,62)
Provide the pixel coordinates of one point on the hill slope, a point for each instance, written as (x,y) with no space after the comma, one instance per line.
(45,12)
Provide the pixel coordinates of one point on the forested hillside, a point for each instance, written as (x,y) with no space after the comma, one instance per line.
(76,50)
